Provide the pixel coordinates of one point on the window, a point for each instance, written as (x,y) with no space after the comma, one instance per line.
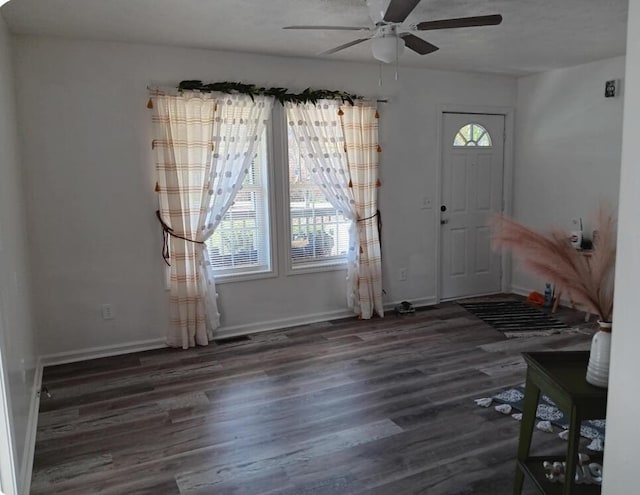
(319,233)
(241,242)
(472,135)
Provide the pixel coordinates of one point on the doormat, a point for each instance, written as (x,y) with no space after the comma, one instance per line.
(512,317)
(593,429)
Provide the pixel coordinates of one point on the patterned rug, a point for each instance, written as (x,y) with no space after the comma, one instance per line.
(512,317)
(547,411)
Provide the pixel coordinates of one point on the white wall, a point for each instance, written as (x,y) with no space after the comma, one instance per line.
(86,144)
(568,145)
(16,336)
(621,449)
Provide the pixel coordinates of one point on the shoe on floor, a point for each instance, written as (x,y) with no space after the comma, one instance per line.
(405,307)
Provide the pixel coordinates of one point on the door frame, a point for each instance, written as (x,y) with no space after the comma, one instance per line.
(8,471)
(507,180)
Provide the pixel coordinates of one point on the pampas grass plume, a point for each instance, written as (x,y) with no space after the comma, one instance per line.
(588,279)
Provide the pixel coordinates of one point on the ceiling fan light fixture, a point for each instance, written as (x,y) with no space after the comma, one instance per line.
(387,48)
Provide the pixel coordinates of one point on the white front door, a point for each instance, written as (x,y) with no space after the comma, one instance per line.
(472,171)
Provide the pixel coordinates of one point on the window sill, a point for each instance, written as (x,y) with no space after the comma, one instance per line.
(244,277)
(327,266)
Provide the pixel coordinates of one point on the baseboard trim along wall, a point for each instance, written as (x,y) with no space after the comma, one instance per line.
(417,303)
(100,352)
(222,333)
(26,464)
(521,291)
(265,326)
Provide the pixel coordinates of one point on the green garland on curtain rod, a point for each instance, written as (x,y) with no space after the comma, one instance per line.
(281,94)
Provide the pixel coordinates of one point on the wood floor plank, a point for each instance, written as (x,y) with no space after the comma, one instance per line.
(281,456)
(349,406)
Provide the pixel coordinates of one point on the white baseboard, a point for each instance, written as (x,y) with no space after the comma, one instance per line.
(101,351)
(521,291)
(225,332)
(265,326)
(26,464)
(417,303)
(221,333)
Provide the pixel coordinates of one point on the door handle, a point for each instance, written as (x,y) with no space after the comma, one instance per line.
(444,221)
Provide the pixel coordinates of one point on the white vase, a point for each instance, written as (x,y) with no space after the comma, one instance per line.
(598,368)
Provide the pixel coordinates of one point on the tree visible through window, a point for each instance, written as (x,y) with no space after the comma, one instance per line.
(472,135)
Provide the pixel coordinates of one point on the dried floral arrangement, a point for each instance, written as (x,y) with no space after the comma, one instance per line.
(587,279)
(281,94)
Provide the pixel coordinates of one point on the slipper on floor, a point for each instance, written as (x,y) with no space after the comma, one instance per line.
(405,307)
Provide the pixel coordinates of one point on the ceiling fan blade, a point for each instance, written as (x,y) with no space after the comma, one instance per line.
(335,28)
(346,45)
(399,10)
(483,20)
(417,44)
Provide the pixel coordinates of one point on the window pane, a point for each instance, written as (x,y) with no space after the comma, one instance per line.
(240,244)
(318,231)
(472,135)
(459,140)
(484,140)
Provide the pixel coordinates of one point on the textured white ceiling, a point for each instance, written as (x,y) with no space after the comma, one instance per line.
(535,35)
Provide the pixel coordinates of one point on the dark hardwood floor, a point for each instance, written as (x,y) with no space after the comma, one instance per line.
(383,406)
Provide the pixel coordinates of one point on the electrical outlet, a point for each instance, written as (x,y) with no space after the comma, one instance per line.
(426,203)
(403,274)
(107,312)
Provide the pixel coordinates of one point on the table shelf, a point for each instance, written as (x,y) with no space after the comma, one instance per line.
(534,470)
(561,376)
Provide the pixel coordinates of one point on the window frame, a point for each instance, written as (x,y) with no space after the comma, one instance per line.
(278,213)
(291,268)
(272,243)
(475,141)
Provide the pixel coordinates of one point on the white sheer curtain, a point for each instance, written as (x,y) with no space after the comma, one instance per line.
(360,126)
(318,133)
(204,146)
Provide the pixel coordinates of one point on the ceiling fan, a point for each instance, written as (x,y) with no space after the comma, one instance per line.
(389,36)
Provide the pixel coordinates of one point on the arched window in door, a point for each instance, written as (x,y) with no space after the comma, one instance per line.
(472,135)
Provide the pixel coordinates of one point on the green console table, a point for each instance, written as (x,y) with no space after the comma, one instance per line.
(561,376)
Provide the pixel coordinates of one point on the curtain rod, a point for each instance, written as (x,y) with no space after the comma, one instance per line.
(175,88)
